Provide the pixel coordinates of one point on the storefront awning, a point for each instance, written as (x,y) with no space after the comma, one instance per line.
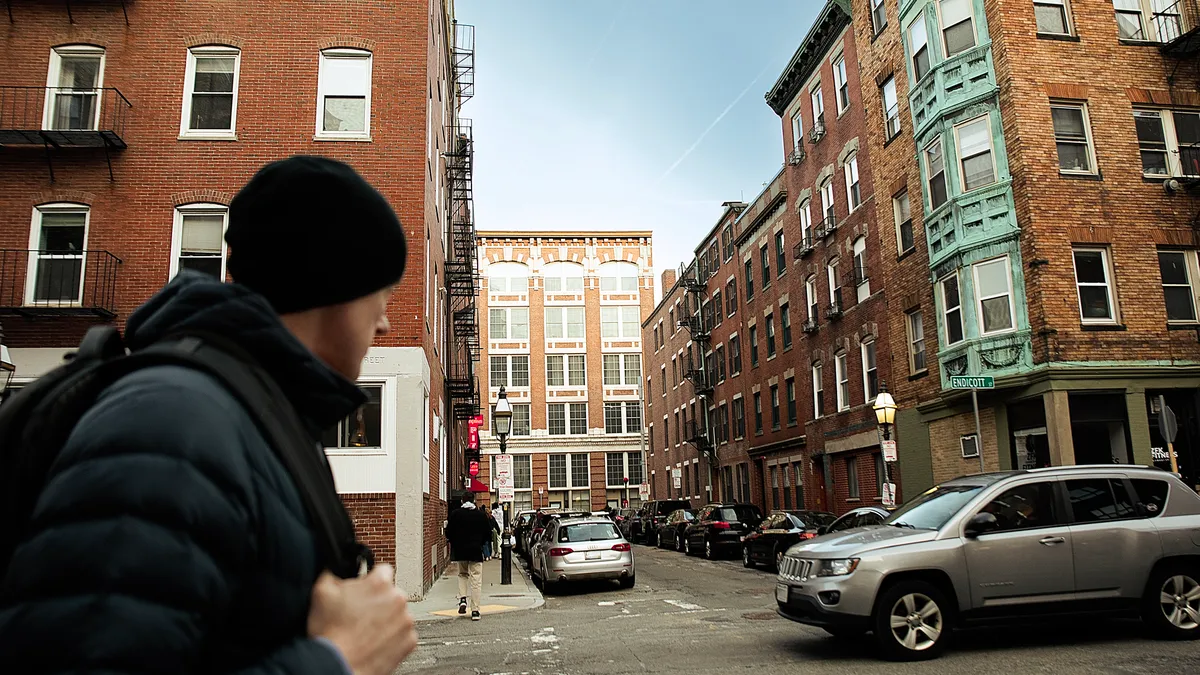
(475,486)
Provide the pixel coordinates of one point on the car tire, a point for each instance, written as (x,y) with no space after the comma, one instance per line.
(843,632)
(778,557)
(912,621)
(628,582)
(678,543)
(1171,606)
(659,542)
(747,561)
(709,552)
(687,546)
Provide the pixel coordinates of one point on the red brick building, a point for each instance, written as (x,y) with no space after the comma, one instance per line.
(126,129)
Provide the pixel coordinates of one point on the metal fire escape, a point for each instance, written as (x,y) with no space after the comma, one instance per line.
(1177,29)
(694,280)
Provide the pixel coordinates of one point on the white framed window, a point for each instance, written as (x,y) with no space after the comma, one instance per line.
(564,418)
(878,16)
(57,255)
(891,108)
(870,371)
(508,277)
(902,214)
(993,292)
(620,322)
(622,465)
(841,371)
(508,323)
(1093,281)
(617,275)
(958,25)
(563,276)
(198,239)
(831,277)
(508,370)
(818,104)
(344,94)
(1073,138)
(569,471)
(805,211)
(1169,142)
(566,370)
(797,129)
(818,389)
(210,91)
(521,425)
(622,417)
(861,282)
(1053,17)
(915,327)
(853,189)
(918,45)
(935,174)
(74,88)
(976,161)
(361,429)
(841,84)
(622,369)
(1150,20)
(564,322)
(952,318)
(810,298)
(780,263)
(1178,270)
(827,207)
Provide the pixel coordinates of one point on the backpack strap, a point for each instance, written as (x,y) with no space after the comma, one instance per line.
(279,423)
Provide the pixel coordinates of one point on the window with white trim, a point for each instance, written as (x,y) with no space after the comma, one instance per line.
(993,290)
(780,254)
(622,369)
(976,161)
(842,375)
(569,471)
(509,370)
(564,322)
(818,104)
(790,392)
(563,276)
(198,239)
(508,323)
(617,275)
(918,45)
(1150,20)
(827,207)
(622,417)
(870,371)
(770,336)
(958,25)
(1178,270)
(57,257)
(1073,138)
(1053,17)
(210,91)
(1093,281)
(806,227)
(622,465)
(521,421)
(362,428)
(566,370)
(832,279)
(952,318)
(861,282)
(810,297)
(735,355)
(891,108)
(1169,142)
(878,16)
(344,94)
(818,391)
(775,407)
(785,324)
(797,129)
(853,189)
(74,88)
(560,414)
(935,174)
(902,214)
(764,261)
(915,326)
(620,322)
(841,84)
(508,277)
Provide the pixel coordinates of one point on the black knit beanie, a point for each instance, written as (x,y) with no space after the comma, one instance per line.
(310,232)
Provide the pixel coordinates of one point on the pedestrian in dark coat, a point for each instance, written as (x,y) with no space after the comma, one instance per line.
(469,528)
(170,538)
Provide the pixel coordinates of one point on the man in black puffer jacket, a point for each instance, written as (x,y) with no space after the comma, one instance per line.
(170,538)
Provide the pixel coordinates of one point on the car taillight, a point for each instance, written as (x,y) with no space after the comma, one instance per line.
(560,552)
(621,547)
(721,525)
(808,535)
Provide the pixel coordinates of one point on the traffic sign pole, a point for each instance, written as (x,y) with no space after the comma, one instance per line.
(978,434)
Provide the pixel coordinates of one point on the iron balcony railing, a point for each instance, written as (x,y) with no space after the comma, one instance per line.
(60,281)
(825,227)
(817,132)
(63,116)
(859,274)
(804,246)
(696,434)
(835,307)
(797,154)
(1175,24)
(809,326)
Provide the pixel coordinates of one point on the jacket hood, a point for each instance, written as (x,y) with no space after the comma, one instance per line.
(196,303)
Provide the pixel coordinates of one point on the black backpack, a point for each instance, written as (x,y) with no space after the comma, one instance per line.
(36,422)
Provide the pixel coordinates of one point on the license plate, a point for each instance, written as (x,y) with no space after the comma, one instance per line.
(781,593)
(592,556)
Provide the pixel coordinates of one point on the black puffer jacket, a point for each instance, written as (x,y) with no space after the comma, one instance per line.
(170,539)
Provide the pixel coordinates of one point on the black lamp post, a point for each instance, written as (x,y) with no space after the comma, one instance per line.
(502,425)
(885,415)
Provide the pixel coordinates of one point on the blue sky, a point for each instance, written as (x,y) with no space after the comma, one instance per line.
(625,114)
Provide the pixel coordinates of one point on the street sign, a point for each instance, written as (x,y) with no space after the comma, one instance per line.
(889,494)
(473,425)
(644,491)
(1167,425)
(507,494)
(473,468)
(504,466)
(972,382)
(889,450)
(678,481)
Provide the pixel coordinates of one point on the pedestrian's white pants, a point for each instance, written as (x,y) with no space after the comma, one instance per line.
(470,574)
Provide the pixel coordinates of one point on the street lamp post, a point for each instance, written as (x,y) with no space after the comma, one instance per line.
(502,425)
(885,415)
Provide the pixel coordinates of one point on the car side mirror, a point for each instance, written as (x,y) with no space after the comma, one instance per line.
(982,523)
(822,530)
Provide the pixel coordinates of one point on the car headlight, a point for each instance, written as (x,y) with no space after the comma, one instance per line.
(836,568)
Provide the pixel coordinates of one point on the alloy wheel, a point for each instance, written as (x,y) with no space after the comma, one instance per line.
(1180,601)
(916,622)
(778,559)
(708,550)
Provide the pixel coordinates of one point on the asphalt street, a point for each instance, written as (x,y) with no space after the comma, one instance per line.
(688,615)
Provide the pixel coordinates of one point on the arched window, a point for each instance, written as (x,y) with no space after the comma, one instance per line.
(563,276)
(508,277)
(618,276)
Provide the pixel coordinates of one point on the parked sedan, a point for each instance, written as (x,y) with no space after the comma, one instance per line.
(866,516)
(719,528)
(626,520)
(576,549)
(779,532)
(670,532)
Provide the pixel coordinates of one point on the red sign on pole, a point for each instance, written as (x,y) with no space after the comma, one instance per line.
(474,468)
(473,426)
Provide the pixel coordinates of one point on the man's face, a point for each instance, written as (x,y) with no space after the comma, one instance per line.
(349,329)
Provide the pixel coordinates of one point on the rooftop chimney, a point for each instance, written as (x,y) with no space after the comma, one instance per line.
(668,280)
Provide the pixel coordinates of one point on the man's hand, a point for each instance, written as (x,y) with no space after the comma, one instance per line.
(367,619)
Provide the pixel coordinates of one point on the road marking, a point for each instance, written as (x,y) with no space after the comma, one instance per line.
(683,605)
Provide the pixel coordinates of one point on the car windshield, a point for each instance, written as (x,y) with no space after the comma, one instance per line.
(814,519)
(931,510)
(666,507)
(738,514)
(588,532)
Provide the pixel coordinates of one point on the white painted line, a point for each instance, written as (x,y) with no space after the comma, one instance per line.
(683,605)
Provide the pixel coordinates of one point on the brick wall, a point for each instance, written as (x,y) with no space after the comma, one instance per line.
(374,517)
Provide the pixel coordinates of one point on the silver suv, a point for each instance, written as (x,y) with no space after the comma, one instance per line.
(1000,546)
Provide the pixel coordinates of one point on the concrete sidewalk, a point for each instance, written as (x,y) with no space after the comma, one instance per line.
(441,603)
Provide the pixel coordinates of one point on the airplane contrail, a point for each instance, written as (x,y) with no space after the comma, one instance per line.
(712,126)
(604,38)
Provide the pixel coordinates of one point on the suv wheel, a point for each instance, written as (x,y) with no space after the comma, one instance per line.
(678,542)
(747,561)
(1172,603)
(709,553)
(687,546)
(912,621)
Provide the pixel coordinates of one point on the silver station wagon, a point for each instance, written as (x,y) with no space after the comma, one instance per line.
(994,547)
(577,549)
